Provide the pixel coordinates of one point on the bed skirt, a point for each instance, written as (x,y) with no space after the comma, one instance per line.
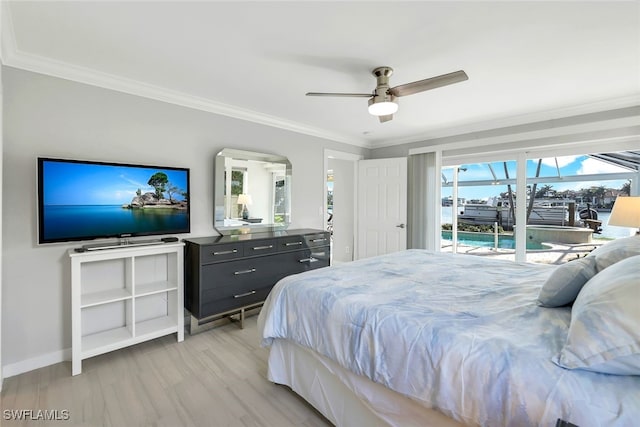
(342,397)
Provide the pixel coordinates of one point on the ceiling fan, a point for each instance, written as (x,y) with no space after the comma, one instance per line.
(382,102)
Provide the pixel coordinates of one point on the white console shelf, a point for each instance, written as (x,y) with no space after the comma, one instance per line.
(124,296)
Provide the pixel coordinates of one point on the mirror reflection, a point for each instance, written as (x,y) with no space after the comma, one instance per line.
(252,192)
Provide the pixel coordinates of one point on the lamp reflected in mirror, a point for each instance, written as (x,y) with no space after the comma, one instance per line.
(244,200)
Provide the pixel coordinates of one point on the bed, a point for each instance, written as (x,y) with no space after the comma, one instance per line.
(418,338)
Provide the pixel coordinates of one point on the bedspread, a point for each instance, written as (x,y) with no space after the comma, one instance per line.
(458,333)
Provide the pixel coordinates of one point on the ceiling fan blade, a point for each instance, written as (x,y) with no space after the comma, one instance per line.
(345,95)
(428,84)
(385,118)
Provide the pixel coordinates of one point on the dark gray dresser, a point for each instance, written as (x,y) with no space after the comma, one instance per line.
(226,275)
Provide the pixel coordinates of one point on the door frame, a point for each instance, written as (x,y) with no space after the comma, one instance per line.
(354,158)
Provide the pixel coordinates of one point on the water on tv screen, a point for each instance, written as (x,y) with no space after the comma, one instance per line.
(82,200)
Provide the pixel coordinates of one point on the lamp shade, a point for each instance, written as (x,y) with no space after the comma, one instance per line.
(244,199)
(626,212)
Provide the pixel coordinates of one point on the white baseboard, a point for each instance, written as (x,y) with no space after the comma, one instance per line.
(23,366)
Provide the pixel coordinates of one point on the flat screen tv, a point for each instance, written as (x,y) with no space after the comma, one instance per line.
(86,200)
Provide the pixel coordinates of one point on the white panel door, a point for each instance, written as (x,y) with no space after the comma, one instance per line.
(382,206)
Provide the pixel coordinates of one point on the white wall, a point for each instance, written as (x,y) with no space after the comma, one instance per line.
(46,116)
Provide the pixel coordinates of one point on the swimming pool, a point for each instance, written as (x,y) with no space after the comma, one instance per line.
(505,241)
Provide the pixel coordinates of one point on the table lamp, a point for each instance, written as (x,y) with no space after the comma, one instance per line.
(626,212)
(244,200)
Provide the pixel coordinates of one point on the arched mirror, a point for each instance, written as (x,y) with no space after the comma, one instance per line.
(252,192)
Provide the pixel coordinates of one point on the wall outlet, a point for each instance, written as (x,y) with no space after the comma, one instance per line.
(347,250)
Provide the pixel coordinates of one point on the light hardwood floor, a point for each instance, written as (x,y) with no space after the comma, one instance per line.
(215,378)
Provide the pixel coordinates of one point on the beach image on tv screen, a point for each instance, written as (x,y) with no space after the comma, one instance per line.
(87,200)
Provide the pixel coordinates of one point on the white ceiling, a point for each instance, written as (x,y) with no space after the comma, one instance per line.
(525,60)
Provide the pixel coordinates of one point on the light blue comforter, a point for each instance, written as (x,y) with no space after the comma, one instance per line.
(458,333)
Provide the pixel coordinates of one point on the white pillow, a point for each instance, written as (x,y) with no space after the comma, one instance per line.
(615,251)
(564,284)
(604,334)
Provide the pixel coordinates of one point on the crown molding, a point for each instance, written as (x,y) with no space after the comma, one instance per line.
(518,120)
(623,121)
(13,57)
(7,35)
(91,77)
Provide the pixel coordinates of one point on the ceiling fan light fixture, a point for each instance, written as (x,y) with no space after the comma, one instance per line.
(382,102)
(382,106)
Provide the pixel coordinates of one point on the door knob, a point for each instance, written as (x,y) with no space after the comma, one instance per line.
(400,226)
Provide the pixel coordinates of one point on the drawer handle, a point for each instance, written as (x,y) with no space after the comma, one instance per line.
(251,270)
(233,251)
(260,248)
(293,244)
(318,240)
(246,294)
(310,259)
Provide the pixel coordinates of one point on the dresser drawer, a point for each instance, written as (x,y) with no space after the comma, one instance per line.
(320,256)
(260,247)
(236,291)
(303,260)
(315,240)
(261,271)
(291,243)
(231,302)
(224,252)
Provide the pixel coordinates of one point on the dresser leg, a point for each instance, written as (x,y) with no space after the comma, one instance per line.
(200,325)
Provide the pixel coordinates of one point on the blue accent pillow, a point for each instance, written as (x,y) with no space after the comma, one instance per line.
(615,251)
(564,284)
(604,334)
